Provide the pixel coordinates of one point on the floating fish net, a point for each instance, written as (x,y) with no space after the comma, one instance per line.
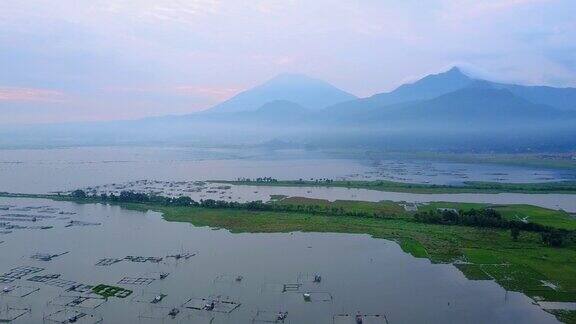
(366,319)
(72,316)
(18,291)
(136,281)
(220,305)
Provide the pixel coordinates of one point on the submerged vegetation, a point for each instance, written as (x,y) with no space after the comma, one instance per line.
(108,291)
(537,160)
(567,187)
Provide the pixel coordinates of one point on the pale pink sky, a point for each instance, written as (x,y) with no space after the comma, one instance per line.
(73,60)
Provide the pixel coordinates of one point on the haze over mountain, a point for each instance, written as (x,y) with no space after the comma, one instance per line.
(451,98)
(300,89)
(426,88)
(479,105)
(561,98)
(449,109)
(281,112)
(439,84)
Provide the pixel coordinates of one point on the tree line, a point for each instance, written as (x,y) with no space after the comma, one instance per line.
(489,217)
(258,205)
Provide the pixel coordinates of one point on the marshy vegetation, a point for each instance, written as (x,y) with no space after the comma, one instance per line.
(566,187)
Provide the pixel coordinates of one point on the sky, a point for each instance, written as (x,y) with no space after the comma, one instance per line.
(70,60)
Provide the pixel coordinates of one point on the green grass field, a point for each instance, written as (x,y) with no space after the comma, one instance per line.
(539,215)
(565,187)
(388,208)
(565,316)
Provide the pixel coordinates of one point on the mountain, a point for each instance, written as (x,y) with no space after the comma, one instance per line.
(280,110)
(439,84)
(480,104)
(429,87)
(426,88)
(277,113)
(561,98)
(307,92)
(279,107)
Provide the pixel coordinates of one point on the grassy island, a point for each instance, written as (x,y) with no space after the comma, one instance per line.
(564,187)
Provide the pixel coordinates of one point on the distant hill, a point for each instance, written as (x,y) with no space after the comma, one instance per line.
(426,88)
(274,113)
(439,84)
(561,98)
(429,87)
(280,110)
(480,104)
(307,92)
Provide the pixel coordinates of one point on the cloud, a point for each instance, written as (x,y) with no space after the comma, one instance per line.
(30,94)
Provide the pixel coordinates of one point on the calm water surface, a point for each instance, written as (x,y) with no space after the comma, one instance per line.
(65,169)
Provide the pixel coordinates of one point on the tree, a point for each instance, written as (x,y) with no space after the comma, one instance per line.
(78,193)
(515,233)
(182,201)
(554,238)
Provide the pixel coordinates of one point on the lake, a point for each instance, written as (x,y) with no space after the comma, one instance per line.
(253,276)
(358,273)
(35,171)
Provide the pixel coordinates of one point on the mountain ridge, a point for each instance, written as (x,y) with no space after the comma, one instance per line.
(480,105)
(305,91)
